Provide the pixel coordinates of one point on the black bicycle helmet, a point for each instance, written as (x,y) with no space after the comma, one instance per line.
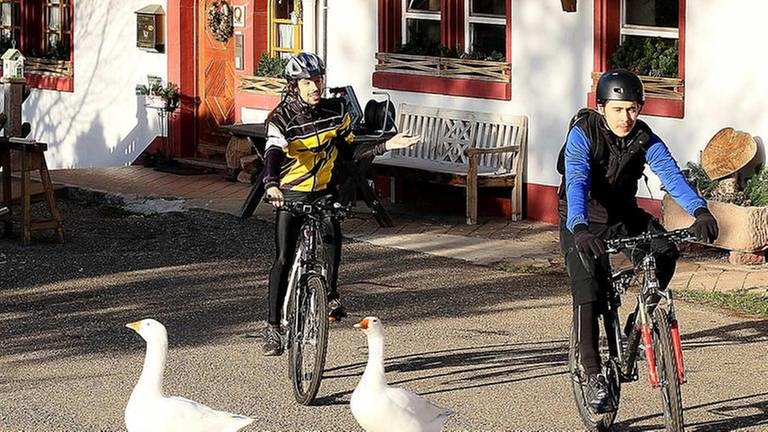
(302,66)
(620,84)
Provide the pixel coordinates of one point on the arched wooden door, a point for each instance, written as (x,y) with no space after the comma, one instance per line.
(216,88)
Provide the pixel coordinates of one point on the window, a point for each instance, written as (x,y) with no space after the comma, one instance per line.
(647,37)
(284,27)
(455,47)
(42,31)
(421,23)
(57,33)
(10,24)
(486,28)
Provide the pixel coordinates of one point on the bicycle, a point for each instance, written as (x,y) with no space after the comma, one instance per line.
(304,320)
(650,323)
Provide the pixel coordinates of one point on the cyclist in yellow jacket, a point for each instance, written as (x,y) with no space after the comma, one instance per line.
(306,136)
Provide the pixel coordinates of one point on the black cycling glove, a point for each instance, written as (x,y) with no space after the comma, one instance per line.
(586,242)
(705,226)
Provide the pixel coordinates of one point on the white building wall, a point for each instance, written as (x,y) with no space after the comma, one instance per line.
(552,58)
(103,122)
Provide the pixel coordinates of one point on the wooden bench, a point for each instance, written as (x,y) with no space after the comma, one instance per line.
(462,148)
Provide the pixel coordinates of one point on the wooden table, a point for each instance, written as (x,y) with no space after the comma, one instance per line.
(356,185)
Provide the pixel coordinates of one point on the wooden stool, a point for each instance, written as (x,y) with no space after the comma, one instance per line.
(31,157)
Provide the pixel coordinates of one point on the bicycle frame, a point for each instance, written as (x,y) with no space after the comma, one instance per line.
(640,322)
(304,262)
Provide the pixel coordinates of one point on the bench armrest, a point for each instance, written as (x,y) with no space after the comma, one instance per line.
(478,151)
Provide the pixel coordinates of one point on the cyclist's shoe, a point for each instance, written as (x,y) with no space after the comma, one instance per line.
(598,394)
(273,344)
(336,310)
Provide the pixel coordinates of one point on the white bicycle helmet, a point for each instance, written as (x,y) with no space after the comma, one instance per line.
(303,66)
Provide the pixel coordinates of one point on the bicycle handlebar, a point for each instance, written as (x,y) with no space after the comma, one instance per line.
(320,208)
(619,244)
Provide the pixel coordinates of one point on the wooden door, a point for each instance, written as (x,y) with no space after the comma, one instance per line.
(216,87)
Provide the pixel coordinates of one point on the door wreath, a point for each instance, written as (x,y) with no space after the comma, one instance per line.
(220,20)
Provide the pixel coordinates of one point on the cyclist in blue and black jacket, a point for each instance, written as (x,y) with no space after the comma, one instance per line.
(603,159)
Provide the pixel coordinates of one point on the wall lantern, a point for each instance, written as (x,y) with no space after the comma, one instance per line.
(149,28)
(13,65)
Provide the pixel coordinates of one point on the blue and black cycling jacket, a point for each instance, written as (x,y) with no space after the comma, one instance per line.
(601,171)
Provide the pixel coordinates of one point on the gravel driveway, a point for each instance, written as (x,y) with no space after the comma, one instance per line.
(488,344)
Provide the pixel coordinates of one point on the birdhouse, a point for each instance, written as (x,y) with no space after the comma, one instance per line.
(13,65)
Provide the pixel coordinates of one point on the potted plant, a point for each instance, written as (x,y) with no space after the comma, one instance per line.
(159,96)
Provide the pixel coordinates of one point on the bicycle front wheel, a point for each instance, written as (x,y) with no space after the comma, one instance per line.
(310,339)
(593,421)
(669,383)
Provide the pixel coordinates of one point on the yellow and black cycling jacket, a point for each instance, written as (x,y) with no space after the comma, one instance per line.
(312,139)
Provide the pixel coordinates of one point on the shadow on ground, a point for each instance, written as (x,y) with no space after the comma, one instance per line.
(203,274)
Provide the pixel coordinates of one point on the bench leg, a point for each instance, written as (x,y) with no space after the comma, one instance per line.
(516,203)
(5,161)
(53,209)
(26,199)
(472,192)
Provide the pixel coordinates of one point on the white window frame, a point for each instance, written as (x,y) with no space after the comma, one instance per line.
(434,16)
(645,31)
(470,19)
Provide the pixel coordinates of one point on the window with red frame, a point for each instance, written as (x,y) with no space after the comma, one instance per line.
(475,28)
(469,29)
(41,30)
(647,37)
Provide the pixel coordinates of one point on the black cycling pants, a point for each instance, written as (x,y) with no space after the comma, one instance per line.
(286,235)
(588,286)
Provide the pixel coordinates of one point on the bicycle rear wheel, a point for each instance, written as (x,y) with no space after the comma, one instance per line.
(593,421)
(669,383)
(310,339)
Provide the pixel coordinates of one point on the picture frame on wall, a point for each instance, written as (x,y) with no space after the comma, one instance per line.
(238,15)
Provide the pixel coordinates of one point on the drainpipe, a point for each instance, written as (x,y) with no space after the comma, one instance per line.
(322,31)
(309,20)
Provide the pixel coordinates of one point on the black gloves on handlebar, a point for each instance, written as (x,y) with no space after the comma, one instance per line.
(586,242)
(705,226)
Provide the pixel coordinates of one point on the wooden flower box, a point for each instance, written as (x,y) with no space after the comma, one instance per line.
(45,67)
(444,67)
(261,85)
(655,87)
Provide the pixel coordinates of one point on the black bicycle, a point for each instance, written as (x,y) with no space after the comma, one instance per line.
(653,323)
(304,319)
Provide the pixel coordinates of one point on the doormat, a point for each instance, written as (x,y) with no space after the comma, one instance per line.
(182,169)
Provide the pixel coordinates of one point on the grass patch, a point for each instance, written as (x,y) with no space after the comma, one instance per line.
(741,301)
(525,268)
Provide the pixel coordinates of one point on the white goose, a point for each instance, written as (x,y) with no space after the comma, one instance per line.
(377,407)
(149,411)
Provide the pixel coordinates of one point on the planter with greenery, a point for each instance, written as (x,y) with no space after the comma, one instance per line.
(742,213)
(654,60)
(159,96)
(268,78)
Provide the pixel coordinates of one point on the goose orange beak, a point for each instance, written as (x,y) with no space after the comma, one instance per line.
(134,325)
(362,324)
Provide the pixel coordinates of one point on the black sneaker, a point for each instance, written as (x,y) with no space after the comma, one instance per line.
(598,394)
(273,344)
(4,210)
(336,310)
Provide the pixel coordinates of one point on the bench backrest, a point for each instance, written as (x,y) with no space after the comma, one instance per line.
(447,133)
